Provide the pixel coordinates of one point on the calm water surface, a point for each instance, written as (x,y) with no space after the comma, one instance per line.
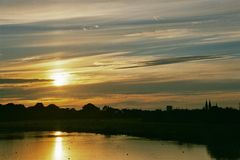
(86,146)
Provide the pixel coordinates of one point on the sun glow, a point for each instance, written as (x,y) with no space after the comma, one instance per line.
(60,78)
(58,133)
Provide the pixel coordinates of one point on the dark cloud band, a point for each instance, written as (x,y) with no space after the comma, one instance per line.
(170,61)
(19,81)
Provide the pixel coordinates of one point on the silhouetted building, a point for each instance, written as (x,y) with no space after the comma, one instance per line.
(208,106)
(169,108)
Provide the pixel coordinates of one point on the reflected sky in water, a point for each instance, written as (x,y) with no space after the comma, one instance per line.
(83,146)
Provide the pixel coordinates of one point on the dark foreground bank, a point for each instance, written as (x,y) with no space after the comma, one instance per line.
(183,132)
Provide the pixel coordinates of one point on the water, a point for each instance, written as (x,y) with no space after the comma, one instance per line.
(86,146)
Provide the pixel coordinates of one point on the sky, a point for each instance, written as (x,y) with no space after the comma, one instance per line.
(127,54)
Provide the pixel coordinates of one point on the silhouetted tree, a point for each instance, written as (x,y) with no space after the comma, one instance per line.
(39,106)
(90,108)
(52,107)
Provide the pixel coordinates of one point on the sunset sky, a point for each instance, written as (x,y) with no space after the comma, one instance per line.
(128,54)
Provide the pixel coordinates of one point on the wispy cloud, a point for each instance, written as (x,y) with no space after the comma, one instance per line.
(172,60)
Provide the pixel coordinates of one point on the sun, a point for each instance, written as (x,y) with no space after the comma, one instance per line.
(60,78)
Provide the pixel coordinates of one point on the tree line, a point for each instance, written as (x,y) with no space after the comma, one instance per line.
(13,112)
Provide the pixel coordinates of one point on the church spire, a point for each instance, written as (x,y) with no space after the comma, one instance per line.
(209,104)
(206,105)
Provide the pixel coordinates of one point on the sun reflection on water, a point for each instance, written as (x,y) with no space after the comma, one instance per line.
(58,147)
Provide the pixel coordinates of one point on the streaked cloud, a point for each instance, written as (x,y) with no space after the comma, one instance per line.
(172,60)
